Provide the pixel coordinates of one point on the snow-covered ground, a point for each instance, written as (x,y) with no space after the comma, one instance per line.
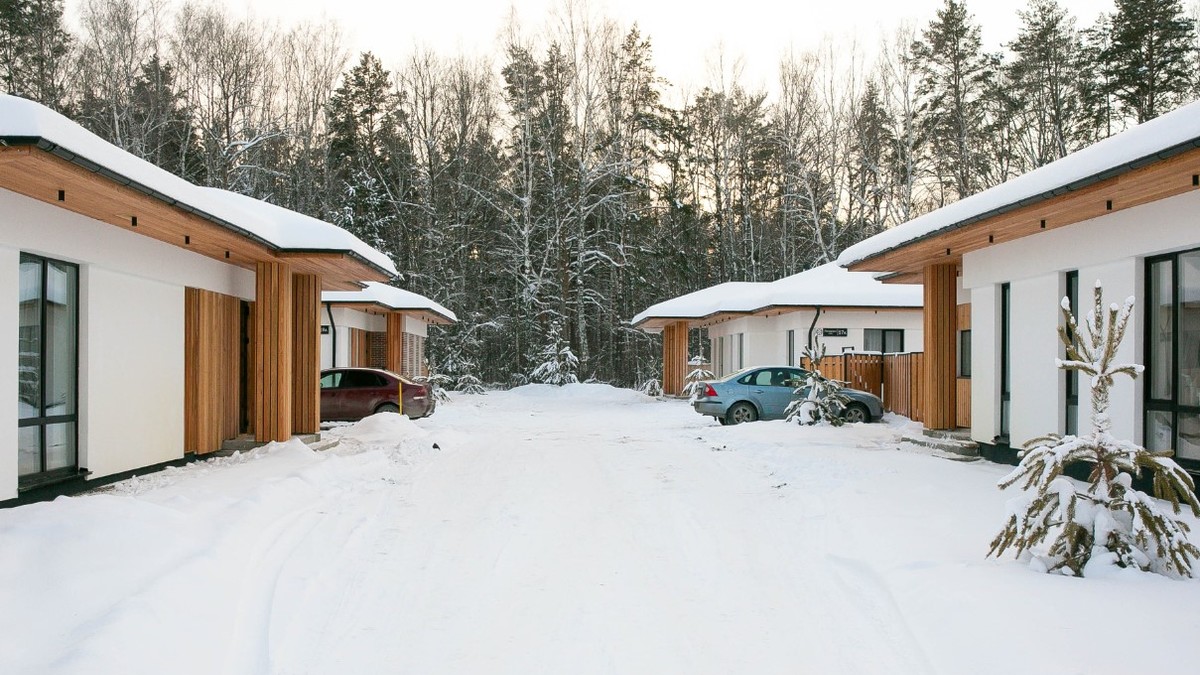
(576,530)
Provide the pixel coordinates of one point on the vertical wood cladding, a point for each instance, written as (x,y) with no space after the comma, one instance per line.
(675,357)
(395,343)
(212,366)
(306,353)
(273,352)
(963,393)
(941,349)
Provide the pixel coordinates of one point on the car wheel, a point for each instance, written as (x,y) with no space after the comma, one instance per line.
(722,420)
(740,413)
(856,412)
(388,407)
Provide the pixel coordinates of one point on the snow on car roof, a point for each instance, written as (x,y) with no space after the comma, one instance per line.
(1157,139)
(24,121)
(390,297)
(828,286)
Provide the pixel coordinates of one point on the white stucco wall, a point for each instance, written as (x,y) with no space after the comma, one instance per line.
(1111,248)
(345,318)
(766,337)
(131,332)
(131,371)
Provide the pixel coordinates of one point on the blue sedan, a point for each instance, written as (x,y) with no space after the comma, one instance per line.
(764,393)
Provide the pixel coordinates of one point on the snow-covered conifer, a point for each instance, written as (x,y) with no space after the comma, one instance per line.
(822,398)
(694,382)
(1059,526)
(557,364)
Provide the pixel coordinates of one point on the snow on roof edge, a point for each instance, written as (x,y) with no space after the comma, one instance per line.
(26,122)
(1161,138)
(390,297)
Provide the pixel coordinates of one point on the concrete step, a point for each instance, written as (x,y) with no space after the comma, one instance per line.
(246,442)
(962,447)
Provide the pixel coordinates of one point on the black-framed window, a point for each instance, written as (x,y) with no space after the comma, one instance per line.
(791,347)
(964,354)
(1172,354)
(47,370)
(1071,377)
(740,340)
(1005,361)
(886,340)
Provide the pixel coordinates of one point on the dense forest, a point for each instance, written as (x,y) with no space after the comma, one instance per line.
(549,195)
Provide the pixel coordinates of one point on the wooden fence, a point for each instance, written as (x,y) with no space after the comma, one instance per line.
(894,378)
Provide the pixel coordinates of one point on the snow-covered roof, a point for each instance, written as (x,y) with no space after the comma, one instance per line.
(827,286)
(390,298)
(23,121)
(1144,144)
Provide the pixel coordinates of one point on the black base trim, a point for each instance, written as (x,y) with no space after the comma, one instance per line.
(76,484)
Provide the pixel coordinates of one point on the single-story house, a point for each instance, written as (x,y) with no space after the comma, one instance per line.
(379,326)
(1123,212)
(763,323)
(152,318)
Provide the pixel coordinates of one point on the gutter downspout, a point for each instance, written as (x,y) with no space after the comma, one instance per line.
(813,326)
(333,334)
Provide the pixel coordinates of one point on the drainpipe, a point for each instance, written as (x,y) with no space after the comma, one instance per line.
(813,327)
(333,334)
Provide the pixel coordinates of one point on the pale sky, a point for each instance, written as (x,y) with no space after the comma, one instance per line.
(685,33)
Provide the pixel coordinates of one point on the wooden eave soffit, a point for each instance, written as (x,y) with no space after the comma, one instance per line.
(45,177)
(1160,180)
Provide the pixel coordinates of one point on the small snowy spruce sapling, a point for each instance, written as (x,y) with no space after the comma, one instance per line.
(822,397)
(694,382)
(651,387)
(1060,527)
(557,363)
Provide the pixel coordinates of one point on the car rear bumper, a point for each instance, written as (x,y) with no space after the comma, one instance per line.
(711,408)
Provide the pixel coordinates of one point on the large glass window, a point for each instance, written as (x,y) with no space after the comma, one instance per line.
(1071,411)
(47,370)
(885,340)
(1005,360)
(791,347)
(1173,355)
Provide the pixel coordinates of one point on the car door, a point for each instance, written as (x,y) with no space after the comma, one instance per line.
(332,406)
(776,385)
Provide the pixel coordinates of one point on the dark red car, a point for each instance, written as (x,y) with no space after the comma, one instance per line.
(354,393)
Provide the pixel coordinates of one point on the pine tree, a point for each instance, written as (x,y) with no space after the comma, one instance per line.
(1046,77)
(694,382)
(1150,61)
(557,364)
(34,50)
(955,76)
(1061,527)
(821,398)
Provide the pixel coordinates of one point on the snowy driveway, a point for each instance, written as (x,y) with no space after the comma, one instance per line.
(574,530)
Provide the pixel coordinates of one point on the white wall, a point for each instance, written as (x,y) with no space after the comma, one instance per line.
(1111,248)
(131,371)
(766,337)
(131,332)
(345,318)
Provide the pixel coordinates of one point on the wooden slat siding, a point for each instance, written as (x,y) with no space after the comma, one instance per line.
(962,395)
(40,175)
(395,342)
(273,352)
(251,372)
(212,331)
(359,343)
(941,304)
(1153,182)
(306,354)
(675,357)
(903,392)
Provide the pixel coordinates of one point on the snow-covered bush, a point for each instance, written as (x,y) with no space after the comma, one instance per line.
(651,387)
(557,364)
(437,385)
(469,384)
(822,397)
(1058,526)
(694,382)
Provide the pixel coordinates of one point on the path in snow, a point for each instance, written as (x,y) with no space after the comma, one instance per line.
(553,534)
